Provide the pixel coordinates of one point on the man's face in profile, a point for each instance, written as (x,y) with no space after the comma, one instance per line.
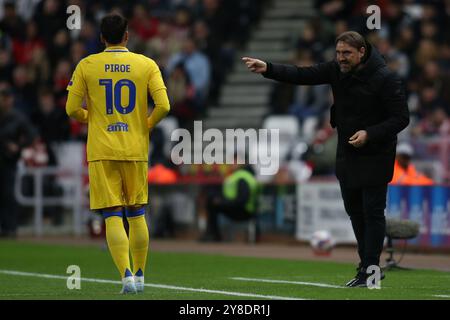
(348,57)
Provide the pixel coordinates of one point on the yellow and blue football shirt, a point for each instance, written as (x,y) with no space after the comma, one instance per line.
(115,84)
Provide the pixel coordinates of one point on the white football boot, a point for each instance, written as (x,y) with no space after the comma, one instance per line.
(129,286)
(139,281)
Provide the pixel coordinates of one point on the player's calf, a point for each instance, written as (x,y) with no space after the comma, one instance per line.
(139,240)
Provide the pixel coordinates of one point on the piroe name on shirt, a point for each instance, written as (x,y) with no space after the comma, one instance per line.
(117,68)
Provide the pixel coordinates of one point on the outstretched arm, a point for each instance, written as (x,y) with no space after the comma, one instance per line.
(317,74)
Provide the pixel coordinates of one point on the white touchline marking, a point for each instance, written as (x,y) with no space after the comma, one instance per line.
(314,284)
(161,286)
(29,294)
(441,295)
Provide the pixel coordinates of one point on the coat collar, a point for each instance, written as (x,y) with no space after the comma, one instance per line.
(364,71)
(373,62)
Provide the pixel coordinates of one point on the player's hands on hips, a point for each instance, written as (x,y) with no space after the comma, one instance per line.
(359,139)
(255,65)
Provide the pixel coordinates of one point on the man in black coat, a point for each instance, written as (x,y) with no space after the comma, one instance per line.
(369,111)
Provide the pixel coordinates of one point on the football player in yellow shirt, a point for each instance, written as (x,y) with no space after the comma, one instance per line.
(115,84)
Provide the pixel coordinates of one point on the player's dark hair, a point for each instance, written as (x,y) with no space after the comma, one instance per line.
(113,27)
(353,39)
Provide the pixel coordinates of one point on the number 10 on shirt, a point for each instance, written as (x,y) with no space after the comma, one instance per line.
(114,95)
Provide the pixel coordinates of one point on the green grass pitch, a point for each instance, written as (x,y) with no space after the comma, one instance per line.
(193,276)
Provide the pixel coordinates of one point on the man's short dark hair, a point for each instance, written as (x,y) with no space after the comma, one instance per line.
(113,27)
(352,38)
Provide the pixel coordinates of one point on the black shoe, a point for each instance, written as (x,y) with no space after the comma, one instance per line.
(360,280)
(355,278)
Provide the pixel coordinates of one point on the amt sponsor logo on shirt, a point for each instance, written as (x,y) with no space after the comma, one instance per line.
(118,127)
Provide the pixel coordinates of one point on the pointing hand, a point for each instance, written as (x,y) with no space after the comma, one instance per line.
(255,65)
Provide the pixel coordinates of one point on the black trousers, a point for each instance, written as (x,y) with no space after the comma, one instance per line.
(365,206)
(8,205)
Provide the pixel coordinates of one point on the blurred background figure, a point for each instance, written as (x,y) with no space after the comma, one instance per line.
(15,133)
(162,174)
(435,124)
(181,93)
(237,199)
(405,173)
(198,69)
(50,120)
(321,151)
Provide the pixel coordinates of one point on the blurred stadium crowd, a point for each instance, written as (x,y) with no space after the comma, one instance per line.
(415,42)
(195,44)
(193,41)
